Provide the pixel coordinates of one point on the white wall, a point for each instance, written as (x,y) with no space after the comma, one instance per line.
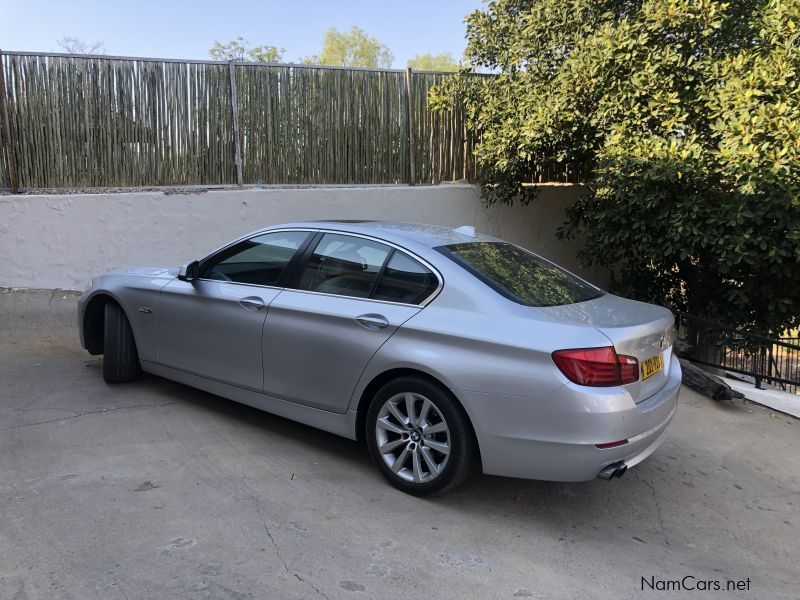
(61,241)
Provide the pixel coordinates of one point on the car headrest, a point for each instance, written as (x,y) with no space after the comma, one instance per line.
(343,263)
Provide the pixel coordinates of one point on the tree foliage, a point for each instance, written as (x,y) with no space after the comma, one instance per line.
(434,62)
(75,45)
(353,48)
(240,50)
(689,111)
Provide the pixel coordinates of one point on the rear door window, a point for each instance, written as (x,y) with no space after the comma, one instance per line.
(520,275)
(344,265)
(405,280)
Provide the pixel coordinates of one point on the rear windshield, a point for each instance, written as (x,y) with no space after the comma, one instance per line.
(519,275)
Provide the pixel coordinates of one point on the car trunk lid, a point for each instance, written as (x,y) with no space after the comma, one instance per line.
(634,328)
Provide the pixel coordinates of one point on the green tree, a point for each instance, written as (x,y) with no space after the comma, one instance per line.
(352,48)
(434,62)
(240,50)
(689,111)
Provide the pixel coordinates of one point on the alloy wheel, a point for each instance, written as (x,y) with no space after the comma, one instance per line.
(413,438)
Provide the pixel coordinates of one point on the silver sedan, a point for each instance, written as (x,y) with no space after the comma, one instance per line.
(445,350)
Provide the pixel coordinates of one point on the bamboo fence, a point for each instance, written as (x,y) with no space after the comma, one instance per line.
(106,121)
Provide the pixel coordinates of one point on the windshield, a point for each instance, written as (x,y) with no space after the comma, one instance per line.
(520,275)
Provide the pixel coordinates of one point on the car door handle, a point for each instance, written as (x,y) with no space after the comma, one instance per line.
(252,303)
(372,321)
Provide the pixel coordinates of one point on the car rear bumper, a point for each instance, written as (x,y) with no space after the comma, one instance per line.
(555,437)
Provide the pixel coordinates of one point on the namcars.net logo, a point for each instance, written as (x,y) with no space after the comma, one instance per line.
(690,583)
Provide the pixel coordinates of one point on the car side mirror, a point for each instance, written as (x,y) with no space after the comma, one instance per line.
(189,272)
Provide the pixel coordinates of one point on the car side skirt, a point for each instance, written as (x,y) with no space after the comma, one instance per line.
(339,424)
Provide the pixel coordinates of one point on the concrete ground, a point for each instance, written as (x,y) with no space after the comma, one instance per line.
(156,490)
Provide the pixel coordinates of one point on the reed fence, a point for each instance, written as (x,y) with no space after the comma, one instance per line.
(69,120)
(86,121)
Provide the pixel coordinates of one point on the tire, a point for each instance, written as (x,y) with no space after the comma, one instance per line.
(120,360)
(394,442)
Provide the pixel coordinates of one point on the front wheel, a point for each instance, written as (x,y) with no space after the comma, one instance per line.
(420,437)
(120,358)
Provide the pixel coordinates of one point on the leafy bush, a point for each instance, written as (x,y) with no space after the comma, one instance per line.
(689,111)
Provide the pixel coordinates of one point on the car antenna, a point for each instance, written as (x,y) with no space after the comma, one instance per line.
(467,230)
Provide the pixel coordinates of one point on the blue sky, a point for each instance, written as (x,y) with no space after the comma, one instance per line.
(187,29)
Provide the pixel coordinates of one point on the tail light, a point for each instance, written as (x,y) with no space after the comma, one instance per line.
(597,367)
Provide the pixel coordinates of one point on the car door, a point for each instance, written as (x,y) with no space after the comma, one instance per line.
(320,335)
(212,326)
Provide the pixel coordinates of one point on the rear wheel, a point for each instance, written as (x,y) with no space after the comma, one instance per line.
(419,437)
(120,358)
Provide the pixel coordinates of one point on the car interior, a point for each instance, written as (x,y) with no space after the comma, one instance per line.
(343,272)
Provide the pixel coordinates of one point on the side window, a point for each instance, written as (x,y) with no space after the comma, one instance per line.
(260,260)
(343,265)
(405,280)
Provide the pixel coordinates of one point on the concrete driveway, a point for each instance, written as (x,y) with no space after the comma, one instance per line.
(155,490)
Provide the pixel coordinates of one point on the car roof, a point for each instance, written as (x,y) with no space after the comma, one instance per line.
(428,235)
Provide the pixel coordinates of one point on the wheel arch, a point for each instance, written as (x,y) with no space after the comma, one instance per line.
(94,321)
(385,377)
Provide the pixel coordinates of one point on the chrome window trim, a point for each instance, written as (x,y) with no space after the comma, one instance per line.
(352,297)
(255,285)
(419,259)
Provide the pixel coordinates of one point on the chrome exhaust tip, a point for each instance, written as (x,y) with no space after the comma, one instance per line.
(613,470)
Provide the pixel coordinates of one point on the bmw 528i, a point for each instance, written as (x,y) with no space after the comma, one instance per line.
(445,350)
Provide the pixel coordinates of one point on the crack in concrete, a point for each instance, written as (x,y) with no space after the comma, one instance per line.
(25,410)
(91,412)
(312,586)
(269,535)
(658,507)
(278,553)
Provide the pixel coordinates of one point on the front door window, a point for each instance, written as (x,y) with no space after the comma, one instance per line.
(261,260)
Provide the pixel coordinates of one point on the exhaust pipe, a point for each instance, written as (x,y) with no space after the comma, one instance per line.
(613,470)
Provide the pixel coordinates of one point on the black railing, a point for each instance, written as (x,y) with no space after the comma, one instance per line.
(774,361)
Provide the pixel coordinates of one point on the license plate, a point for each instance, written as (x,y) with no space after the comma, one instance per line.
(651,366)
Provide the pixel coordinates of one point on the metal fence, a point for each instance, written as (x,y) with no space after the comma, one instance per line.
(86,120)
(774,361)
